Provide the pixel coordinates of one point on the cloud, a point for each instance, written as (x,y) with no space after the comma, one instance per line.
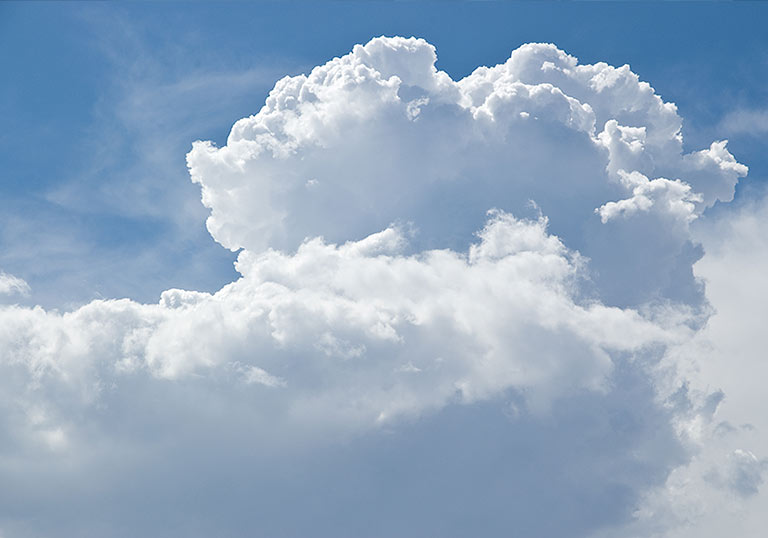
(746,121)
(349,340)
(471,323)
(406,343)
(11,285)
(731,353)
(672,197)
(743,474)
(340,153)
(720,491)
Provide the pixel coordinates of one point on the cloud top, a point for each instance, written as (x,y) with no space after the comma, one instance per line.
(407,142)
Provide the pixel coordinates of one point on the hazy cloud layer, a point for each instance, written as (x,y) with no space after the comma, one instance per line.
(465,307)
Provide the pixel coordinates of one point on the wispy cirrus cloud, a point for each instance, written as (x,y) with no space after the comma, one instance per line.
(746,121)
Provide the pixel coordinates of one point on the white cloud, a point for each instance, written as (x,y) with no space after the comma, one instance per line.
(390,308)
(720,491)
(539,126)
(11,285)
(484,138)
(673,198)
(752,121)
(474,324)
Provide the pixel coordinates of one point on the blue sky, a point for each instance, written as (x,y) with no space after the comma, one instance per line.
(396,301)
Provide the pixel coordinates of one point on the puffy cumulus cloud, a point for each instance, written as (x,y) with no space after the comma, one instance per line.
(357,331)
(343,340)
(673,198)
(359,143)
(400,354)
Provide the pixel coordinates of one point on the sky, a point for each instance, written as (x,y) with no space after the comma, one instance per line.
(496,273)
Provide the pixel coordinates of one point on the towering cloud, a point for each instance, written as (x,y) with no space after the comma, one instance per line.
(459,312)
(364,141)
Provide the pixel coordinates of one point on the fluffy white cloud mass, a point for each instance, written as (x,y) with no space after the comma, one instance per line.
(465,308)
